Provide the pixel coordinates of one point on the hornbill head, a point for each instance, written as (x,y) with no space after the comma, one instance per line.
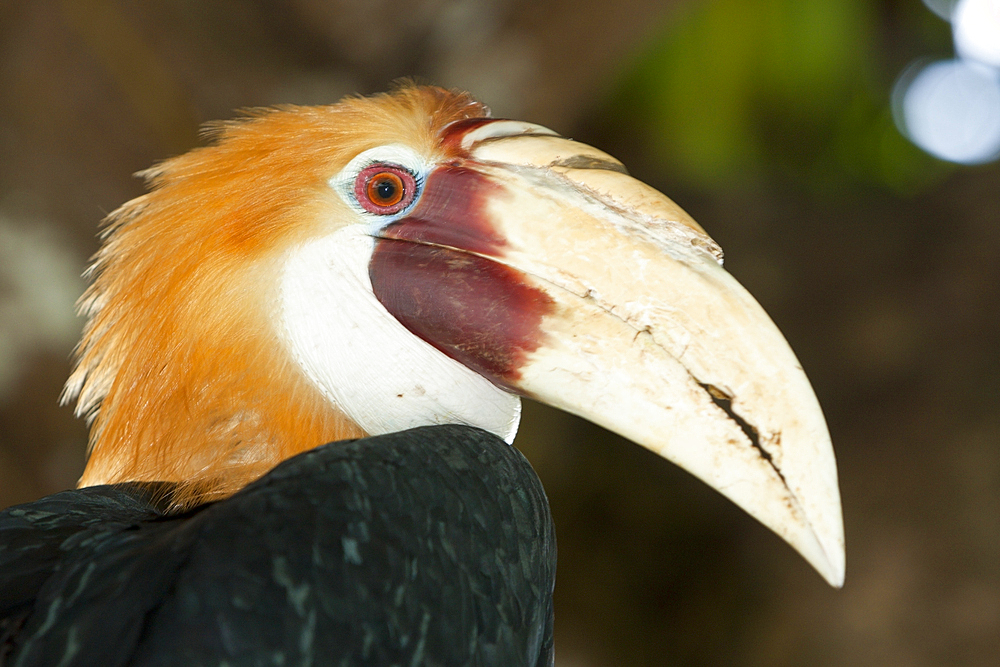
(402,260)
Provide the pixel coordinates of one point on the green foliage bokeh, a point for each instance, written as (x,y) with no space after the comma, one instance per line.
(739,90)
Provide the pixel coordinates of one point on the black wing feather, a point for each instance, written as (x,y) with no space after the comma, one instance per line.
(432,546)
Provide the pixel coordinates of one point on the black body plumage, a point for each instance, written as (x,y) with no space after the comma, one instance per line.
(433,546)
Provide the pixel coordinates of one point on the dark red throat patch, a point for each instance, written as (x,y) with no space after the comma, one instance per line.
(480,313)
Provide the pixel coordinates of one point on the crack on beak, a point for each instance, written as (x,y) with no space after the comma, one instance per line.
(725,402)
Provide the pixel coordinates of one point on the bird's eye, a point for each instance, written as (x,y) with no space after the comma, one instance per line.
(384,189)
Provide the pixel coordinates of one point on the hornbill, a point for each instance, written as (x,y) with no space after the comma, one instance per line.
(388,275)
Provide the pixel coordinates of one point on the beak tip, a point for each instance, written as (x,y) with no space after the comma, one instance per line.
(835,573)
(833,567)
(825,551)
(838,566)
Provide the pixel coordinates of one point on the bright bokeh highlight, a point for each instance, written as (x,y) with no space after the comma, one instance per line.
(977,30)
(951,109)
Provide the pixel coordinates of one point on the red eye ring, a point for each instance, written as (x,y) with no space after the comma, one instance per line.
(384,189)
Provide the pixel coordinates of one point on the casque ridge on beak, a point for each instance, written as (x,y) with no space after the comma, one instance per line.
(614,306)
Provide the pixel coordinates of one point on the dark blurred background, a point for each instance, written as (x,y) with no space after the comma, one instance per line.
(768,120)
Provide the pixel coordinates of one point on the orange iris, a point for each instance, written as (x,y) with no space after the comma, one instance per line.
(385,189)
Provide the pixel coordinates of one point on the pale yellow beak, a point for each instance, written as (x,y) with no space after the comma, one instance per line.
(650,337)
